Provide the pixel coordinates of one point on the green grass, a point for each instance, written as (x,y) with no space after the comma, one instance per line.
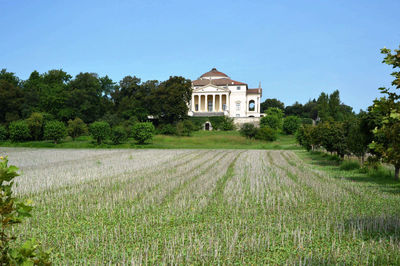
(199,140)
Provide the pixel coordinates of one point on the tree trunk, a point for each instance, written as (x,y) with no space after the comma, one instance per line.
(396,172)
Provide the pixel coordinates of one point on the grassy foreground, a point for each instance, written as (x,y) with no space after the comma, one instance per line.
(199,140)
(206,207)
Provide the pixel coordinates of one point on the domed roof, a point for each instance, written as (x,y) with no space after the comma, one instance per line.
(214,73)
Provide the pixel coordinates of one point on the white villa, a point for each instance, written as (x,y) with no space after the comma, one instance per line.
(216,94)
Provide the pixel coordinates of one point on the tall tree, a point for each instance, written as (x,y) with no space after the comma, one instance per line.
(11,97)
(170,101)
(387,136)
(84,98)
(271,103)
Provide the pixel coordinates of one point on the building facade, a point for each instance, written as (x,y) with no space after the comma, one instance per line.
(216,94)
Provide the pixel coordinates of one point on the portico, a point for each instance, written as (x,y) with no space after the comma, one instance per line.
(209,102)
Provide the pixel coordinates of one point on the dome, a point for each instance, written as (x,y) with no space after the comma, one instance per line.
(214,73)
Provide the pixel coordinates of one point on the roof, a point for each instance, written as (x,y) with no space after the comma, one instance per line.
(217,82)
(254,91)
(214,73)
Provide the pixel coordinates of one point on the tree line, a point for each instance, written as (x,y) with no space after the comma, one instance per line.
(375,132)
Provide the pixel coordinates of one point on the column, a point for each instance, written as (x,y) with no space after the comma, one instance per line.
(193,108)
(213,106)
(200,104)
(220,102)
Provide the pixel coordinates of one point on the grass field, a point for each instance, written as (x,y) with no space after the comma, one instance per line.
(205,206)
(199,140)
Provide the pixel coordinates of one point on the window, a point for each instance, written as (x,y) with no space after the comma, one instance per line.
(224,107)
(252,105)
(238,106)
(210,106)
(238,88)
(197,107)
(237,115)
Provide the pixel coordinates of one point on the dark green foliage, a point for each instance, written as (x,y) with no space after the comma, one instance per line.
(167,129)
(100,131)
(35,124)
(271,103)
(350,165)
(306,121)
(184,128)
(55,130)
(169,102)
(332,137)
(291,124)
(304,137)
(11,97)
(227,124)
(118,135)
(266,133)
(271,121)
(19,131)
(143,131)
(128,124)
(14,211)
(76,128)
(248,130)
(3,133)
(357,139)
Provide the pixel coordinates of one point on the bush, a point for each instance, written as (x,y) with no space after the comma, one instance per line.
(291,124)
(13,211)
(55,130)
(184,128)
(248,130)
(167,129)
(227,124)
(267,134)
(143,132)
(3,133)
(19,131)
(271,121)
(35,124)
(128,124)
(118,135)
(306,121)
(76,128)
(100,131)
(349,165)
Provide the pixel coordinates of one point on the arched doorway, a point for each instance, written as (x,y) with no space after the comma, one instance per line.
(207,126)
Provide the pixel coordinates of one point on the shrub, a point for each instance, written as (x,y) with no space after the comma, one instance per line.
(3,133)
(271,121)
(118,135)
(128,124)
(248,130)
(19,131)
(227,124)
(167,129)
(349,165)
(13,211)
(267,134)
(35,124)
(55,130)
(306,121)
(143,131)
(100,131)
(76,128)
(184,128)
(291,124)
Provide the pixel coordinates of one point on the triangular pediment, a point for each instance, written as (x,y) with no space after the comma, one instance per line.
(211,88)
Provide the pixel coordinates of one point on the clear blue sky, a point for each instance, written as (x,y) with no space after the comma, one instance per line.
(295,48)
